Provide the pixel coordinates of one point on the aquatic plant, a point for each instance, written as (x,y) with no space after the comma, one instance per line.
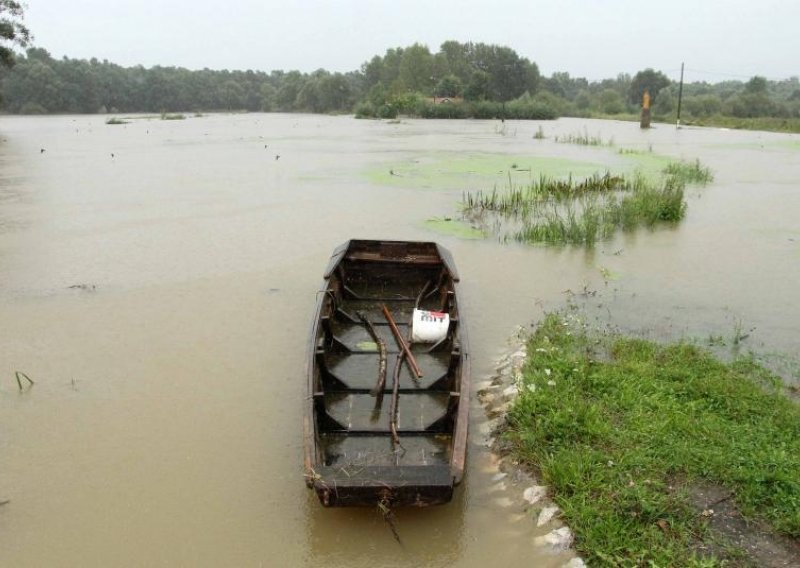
(517,200)
(690,172)
(178,116)
(115,120)
(635,151)
(584,139)
(579,211)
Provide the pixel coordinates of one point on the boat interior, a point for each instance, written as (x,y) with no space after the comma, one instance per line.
(353,412)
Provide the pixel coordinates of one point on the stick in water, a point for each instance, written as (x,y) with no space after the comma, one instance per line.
(20,375)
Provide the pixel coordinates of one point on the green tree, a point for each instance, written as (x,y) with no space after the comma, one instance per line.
(390,70)
(287,93)
(232,95)
(373,71)
(509,74)
(756,86)
(702,105)
(268,94)
(416,69)
(309,97)
(335,93)
(455,59)
(610,101)
(12,31)
(477,88)
(564,86)
(33,84)
(647,80)
(667,100)
(448,86)
(583,100)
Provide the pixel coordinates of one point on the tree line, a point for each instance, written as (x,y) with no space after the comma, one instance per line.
(458,80)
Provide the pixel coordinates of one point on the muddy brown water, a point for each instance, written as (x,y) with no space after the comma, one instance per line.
(157,281)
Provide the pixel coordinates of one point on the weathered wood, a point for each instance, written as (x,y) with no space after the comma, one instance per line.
(362,450)
(401,342)
(378,389)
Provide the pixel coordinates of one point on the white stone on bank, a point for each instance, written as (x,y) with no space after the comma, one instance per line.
(560,539)
(534,493)
(546,515)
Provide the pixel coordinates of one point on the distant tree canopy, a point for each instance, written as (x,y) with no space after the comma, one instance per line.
(756,98)
(476,71)
(12,31)
(493,81)
(647,80)
(40,84)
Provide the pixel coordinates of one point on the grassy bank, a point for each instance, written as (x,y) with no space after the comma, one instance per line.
(766,123)
(625,431)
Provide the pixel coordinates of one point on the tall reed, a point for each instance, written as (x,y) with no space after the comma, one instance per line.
(583,211)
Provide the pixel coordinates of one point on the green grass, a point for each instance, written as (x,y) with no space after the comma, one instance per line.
(690,172)
(166,116)
(583,211)
(635,151)
(583,139)
(115,120)
(619,428)
(767,123)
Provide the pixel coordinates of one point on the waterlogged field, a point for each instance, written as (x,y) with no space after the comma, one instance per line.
(157,280)
(520,196)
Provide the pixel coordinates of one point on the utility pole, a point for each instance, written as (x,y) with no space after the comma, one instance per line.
(680,96)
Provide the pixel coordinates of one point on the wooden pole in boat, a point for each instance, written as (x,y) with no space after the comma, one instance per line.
(395,399)
(379,386)
(402,342)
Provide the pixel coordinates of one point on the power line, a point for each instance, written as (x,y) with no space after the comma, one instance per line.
(733,75)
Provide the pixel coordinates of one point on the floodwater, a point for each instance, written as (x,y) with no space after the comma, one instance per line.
(157,281)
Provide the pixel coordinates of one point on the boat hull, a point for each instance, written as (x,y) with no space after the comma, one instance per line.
(377,430)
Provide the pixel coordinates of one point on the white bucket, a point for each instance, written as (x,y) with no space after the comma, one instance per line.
(429,327)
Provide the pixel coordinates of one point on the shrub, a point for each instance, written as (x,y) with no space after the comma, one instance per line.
(32,108)
(364,110)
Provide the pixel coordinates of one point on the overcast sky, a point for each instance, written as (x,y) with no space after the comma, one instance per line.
(596,39)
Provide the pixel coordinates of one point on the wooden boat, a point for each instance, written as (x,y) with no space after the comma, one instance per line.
(403,442)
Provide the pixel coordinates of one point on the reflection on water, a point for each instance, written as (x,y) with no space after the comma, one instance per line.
(164,426)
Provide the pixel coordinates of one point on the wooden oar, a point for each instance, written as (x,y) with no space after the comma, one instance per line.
(402,342)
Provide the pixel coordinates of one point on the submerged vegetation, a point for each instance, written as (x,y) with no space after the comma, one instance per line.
(690,172)
(583,139)
(569,211)
(628,433)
